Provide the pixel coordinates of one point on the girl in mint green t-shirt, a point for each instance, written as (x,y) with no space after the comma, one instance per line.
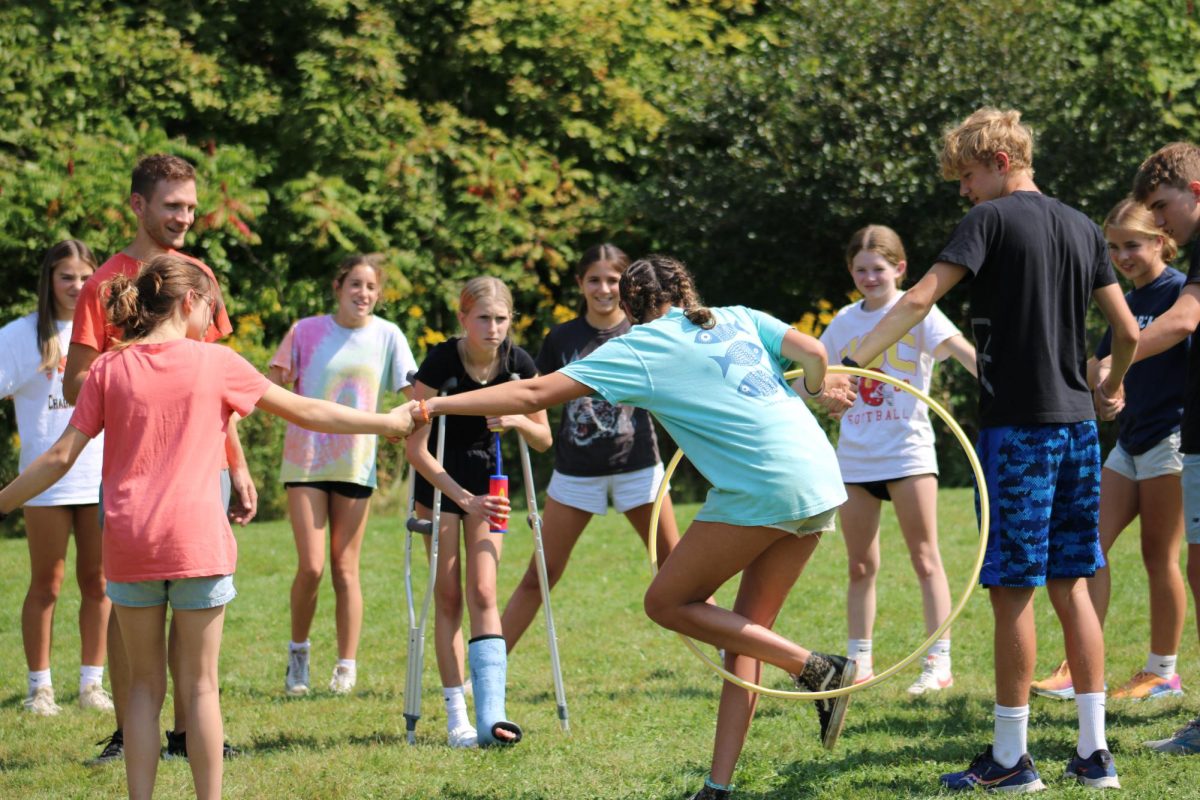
(714,378)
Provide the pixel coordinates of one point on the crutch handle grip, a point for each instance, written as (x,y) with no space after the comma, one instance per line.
(421,526)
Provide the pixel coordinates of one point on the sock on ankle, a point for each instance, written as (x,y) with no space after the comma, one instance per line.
(1091,723)
(1162,666)
(90,675)
(294,646)
(859,651)
(348,663)
(720,787)
(1011,734)
(456,707)
(38,679)
(939,651)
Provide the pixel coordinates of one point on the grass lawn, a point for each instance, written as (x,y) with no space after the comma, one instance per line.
(642,708)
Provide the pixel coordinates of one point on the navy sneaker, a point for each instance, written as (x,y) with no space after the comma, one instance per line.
(1096,771)
(985,773)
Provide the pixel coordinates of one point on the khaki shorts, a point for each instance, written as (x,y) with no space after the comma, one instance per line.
(1162,459)
(817,523)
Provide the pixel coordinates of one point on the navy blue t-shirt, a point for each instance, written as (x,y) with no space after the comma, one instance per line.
(1154,388)
(1036,263)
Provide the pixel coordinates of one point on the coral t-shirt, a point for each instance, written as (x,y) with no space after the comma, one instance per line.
(91,325)
(166,406)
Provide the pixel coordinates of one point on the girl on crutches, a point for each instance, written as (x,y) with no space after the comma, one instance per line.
(483,356)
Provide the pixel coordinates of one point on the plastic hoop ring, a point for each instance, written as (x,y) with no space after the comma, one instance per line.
(880,677)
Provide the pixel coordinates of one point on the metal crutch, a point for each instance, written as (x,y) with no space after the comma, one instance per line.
(535,524)
(416,623)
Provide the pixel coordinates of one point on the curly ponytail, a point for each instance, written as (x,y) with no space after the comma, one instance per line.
(137,306)
(655,280)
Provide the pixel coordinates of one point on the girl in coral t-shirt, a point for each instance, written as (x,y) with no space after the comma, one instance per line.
(165,397)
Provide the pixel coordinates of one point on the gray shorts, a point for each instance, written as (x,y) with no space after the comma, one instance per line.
(1191,497)
(184,594)
(1162,459)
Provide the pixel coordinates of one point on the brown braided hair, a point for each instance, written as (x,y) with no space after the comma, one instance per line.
(657,279)
(138,305)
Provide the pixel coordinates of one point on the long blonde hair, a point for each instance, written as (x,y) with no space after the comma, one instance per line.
(47,308)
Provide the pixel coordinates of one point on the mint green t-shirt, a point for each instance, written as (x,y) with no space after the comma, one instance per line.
(720,393)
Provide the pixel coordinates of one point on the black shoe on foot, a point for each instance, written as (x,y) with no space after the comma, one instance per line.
(823,673)
(709,793)
(177,747)
(113,750)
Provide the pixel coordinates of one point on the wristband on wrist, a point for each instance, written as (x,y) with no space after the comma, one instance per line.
(423,410)
(820,388)
(850,362)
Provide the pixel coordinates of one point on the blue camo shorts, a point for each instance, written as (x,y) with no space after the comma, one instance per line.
(1043,485)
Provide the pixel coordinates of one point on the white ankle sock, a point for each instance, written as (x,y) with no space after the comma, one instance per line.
(939,651)
(859,650)
(1162,666)
(456,708)
(294,646)
(38,679)
(348,663)
(1091,723)
(90,675)
(1011,734)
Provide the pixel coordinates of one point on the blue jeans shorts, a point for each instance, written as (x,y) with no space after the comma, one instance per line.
(1043,485)
(184,594)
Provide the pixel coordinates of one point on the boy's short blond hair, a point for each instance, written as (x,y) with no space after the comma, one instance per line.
(984,134)
(1175,165)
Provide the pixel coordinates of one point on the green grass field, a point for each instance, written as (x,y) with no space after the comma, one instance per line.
(642,708)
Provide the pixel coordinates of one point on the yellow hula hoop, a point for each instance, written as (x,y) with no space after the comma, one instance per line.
(880,677)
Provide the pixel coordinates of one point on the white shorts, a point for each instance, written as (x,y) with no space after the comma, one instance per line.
(817,523)
(628,490)
(1162,459)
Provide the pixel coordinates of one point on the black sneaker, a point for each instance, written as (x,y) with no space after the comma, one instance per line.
(113,750)
(834,673)
(709,793)
(177,747)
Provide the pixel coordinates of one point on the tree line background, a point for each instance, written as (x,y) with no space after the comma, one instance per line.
(462,137)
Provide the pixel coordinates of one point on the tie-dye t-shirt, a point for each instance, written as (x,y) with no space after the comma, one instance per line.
(720,393)
(350,366)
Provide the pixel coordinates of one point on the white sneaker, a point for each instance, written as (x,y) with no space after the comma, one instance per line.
(296,681)
(931,679)
(464,736)
(92,696)
(342,681)
(41,702)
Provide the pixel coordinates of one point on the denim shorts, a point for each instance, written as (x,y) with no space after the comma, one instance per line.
(1162,459)
(590,494)
(817,523)
(184,594)
(1043,485)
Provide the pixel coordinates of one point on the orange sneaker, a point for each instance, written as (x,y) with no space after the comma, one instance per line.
(1058,686)
(1148,686)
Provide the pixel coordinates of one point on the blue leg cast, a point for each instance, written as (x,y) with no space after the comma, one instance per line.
(489,671)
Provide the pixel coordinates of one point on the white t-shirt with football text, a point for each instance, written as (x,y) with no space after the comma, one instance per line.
(886,434)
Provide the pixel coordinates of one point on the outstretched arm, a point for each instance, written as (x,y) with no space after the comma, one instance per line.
(46,470)
(514,397)
(1171,328)
(909,310)
(325,417)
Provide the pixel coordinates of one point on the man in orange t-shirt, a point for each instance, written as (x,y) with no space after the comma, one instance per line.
(163,198)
